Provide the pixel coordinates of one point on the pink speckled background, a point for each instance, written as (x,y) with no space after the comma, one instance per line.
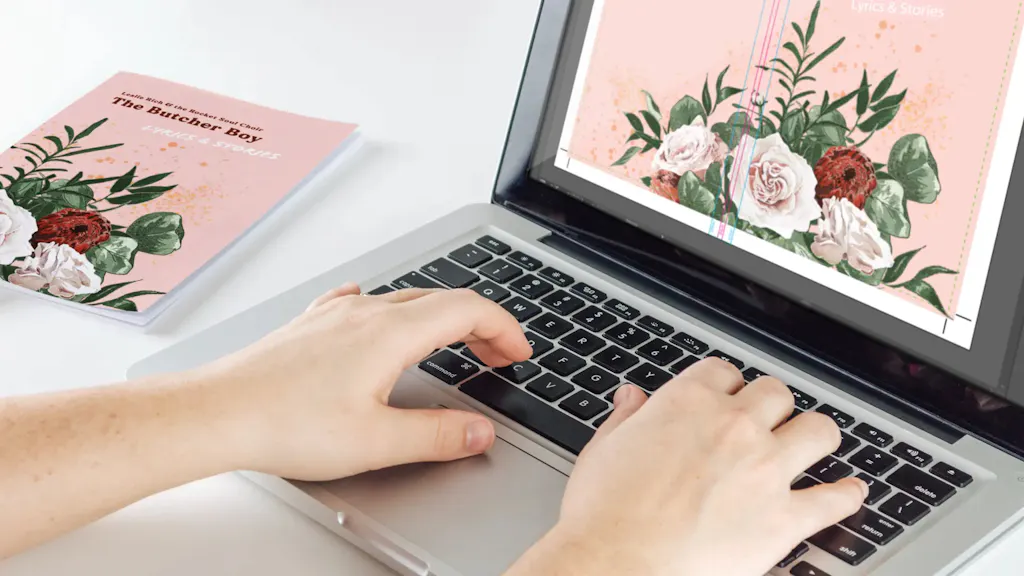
(953,68)
(219,192)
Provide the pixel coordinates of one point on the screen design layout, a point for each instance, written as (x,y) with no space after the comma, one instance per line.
(865,146)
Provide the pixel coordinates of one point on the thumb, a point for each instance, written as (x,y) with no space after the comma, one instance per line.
(434,435)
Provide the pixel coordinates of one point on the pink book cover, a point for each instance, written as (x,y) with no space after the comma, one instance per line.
(124,194)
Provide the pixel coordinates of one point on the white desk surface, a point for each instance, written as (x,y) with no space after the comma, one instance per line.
(433,84)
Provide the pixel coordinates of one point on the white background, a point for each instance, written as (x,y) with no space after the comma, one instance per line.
(433,84)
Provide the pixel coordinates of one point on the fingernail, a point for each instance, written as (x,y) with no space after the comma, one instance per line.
(623,394)
(479,436)
(864,488)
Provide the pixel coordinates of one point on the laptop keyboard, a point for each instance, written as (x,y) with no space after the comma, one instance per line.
(587,345)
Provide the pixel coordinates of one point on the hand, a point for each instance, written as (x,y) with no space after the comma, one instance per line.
(695,480)
(313,395)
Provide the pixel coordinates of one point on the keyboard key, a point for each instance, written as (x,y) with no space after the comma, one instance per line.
(848,444)
(805,569)
(469,354)
(796,412)
(551,326)
(526,261)
(550,387)
(563,302)
(801,549)
(683,364)
(655,325)
(726,357)
(601,420)
(843,545)
(449,273)
(841,418)
(802,400)
(873,526)
(689,343)
(627,335)
(522,309)
(615,359)
(622,309)
(921,485)
(912,455)
(531,286)
(952,475)
(501,271)
(457,345)
(415,280)
(518,372)
(491,291)
(540,346)
(590,293)
(595,379)
(873,435)
(660,352)
(470,256)
(594,318)
(531,412)
(904,509)
(804,483)
(582,342)
(583,405)
(448,367)
(380,290)
(562,362)
(873,461)
(494,245)
(876,489)
(829,470)
(751,374)
(648,377)
(557,277)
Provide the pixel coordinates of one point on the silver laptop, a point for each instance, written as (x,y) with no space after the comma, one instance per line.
(628,263)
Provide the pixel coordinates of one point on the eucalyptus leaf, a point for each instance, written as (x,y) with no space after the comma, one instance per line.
(792,129)
(115,256)
(912,164)
(694,195)
(887,208)
(646,180)
(685,111)
(159,233)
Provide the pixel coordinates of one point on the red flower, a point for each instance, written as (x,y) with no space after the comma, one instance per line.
(666,185)
(845,172)
(78,229)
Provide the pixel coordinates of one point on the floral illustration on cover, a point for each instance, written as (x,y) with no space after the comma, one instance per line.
(792,171)
(55,236)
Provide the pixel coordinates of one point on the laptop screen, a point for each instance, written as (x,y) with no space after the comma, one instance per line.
(860,151)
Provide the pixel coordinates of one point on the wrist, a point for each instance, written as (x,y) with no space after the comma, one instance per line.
(569,551)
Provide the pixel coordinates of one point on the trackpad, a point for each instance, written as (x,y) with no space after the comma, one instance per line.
(476,515)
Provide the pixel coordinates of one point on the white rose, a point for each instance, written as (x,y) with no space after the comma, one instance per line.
(690,149)
(59,269)
(779,189)
(845,231)
(16,229)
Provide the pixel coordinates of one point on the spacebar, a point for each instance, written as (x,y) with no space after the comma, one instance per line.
(529,411)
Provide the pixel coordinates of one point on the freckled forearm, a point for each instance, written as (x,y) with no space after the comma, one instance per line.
(69,458)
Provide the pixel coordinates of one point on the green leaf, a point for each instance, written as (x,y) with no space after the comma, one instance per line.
(115,256)
(899,266)
(149,189)
(694,195)
(105,291)
(883,87)
(863,95)
(800,34)
(120,304)
(33,152)
(56,142)
(31,161)
(890,102)
(767,128)
(634,121)
(872,280)
(90,129)
(828,51)
(732,130)
(6,271)
(646,180)
(813,21)
(842,101)
(70,133)
(713,178)
(785,85)
(829,128)
(621,161)
(99,180)
(60,194)
(88,150)
(792,48)
(24,189)
(930,271)
(75,180)
(684,113)
(706,97)
(718,85)
(653,123)
(651,141)
(652,106)
(926,292)
(792,129)
(912,164)
(123,182)
(728,92)
(159,233)
(887,208)
(138,198)
(824,101)
(879,120)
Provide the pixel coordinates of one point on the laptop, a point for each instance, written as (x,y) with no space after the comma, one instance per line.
(858,243)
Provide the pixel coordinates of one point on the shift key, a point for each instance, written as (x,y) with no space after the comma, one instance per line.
(843,545)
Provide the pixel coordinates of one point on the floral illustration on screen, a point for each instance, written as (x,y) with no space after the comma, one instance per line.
(55,235)
(792,171)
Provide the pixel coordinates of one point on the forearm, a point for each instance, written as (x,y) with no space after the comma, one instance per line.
(69,458)
(561,553)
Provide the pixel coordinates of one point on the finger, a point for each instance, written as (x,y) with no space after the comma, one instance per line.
(716,374)
(627,400)
(816,508)
(488,355)
(432,436)
(407,294)
(767,400)
(346,289)
(436,320)
(806,439)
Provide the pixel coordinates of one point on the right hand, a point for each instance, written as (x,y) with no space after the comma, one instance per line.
(696,482)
